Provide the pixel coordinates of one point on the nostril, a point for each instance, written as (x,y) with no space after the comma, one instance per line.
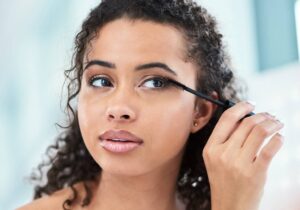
(126,116)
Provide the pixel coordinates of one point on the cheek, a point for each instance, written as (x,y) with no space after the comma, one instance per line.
(170,127)
(89,119)
(175,119)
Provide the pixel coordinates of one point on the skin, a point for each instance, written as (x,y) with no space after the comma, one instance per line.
(145,178)
(134,180)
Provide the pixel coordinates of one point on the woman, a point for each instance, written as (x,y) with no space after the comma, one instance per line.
(137,142)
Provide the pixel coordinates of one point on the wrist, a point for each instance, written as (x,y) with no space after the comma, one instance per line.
(232,202)
(226,205)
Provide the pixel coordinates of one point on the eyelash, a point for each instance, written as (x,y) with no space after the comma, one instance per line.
(165,83)
(94,78)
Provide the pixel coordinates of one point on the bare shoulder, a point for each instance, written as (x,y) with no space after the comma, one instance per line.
(53,201)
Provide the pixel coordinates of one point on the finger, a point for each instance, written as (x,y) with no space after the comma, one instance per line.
(257,136)
(243,130)
(229,121)
(269,151)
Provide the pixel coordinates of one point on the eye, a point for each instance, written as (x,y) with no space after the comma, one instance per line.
(99,81)
(156,83)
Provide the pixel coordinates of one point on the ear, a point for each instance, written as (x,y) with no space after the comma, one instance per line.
(203,112)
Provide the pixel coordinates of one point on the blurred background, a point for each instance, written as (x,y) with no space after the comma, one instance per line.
(262,36)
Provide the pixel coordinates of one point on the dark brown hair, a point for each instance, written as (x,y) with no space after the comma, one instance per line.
(69,160)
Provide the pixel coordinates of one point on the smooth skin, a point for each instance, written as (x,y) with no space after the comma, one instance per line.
(145,178)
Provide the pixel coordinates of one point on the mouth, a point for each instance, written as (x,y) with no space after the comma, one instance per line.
(119,141)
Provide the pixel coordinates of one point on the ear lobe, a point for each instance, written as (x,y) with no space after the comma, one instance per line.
(204,110)
(200,118)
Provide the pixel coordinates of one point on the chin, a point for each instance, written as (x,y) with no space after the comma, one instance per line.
(124,166)
(126,170)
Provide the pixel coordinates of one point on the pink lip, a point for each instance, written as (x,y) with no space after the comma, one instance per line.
(119,141)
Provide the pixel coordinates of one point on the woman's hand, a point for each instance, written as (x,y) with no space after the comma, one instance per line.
(236,166)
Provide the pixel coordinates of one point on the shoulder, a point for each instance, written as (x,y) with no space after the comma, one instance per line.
(53,201)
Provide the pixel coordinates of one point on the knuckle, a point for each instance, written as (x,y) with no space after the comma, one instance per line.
(261,131)
(206,153)
(223,159)
(226,115)
(229,115)
(250,121)
(266,155)
(256,119)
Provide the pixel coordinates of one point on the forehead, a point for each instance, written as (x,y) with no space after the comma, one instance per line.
(138,38)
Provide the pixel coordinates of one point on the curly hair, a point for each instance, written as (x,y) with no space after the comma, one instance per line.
(69,160)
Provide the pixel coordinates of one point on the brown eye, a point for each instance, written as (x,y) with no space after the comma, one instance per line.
(156,83)
(100,81)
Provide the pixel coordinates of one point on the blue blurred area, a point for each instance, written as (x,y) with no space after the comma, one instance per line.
(36,42)
(276,32)
(36,47)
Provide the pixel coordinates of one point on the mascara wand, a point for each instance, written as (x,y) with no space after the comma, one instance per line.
(225,104)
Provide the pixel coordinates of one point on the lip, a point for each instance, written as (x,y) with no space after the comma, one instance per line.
(120,134)
(124,141)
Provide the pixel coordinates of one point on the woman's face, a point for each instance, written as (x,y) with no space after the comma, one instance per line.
(124,97)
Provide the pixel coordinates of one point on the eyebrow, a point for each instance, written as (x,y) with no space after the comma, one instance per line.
(137,68)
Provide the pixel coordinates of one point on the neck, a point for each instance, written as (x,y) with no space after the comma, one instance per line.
(153,190)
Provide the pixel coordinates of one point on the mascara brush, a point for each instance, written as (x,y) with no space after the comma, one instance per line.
(225,104)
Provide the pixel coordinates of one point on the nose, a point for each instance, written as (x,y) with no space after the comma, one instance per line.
(120,110)
(120,113)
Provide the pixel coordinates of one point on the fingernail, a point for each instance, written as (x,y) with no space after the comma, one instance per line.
(281,123)
(252,102)
(280,136)
(271,116)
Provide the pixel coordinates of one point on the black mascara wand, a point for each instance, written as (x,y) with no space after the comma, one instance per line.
(225,104)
